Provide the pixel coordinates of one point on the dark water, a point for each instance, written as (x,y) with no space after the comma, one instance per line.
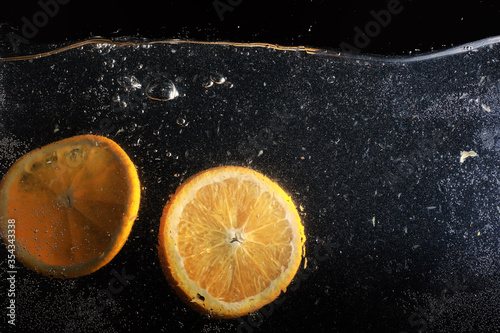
(401,234)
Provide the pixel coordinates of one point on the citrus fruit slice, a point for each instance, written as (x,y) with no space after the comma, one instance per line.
(230,241)
(72,204)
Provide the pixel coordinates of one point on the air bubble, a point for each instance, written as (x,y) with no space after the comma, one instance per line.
(129,82)
(301,53)
(118,100)
(181,121)
(162,90)
(208,84)
(217,78)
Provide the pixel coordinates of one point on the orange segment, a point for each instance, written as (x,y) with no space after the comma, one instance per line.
(74,203)
(230,241)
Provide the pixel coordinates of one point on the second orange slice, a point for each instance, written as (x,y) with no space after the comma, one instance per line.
(230,241)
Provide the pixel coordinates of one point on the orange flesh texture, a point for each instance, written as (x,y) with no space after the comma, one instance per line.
(243,235)
(69,203)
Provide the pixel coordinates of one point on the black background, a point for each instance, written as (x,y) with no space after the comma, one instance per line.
(367,284)
(420,26)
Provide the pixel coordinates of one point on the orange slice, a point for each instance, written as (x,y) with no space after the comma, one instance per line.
(230,241)
(72,204)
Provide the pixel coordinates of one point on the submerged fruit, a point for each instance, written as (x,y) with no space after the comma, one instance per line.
(72,204)
(230,241)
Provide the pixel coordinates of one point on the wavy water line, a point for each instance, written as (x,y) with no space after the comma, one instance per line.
(464,48)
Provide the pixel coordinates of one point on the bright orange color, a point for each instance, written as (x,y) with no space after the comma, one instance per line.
(74,203)
(230,241)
